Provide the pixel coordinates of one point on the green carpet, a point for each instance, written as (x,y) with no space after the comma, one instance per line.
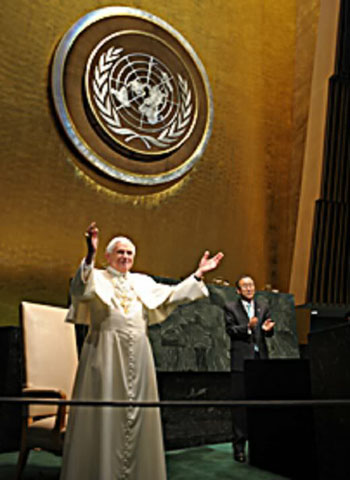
(211,462)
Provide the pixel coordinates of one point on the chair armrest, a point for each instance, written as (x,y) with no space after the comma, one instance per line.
(43,392)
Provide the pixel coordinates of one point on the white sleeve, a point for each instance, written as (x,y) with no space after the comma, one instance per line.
(160,300)
(81,290)
(86,270)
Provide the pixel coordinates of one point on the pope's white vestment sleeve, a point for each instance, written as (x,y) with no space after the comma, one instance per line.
(82,289)
(161,300)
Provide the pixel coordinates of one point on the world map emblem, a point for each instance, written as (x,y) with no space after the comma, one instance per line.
(132,96)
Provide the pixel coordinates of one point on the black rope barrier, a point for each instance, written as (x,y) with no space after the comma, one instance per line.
(177,403)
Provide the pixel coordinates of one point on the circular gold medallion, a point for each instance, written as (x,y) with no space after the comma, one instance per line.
(132,96)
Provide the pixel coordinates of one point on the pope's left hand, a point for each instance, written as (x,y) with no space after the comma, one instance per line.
(207,264)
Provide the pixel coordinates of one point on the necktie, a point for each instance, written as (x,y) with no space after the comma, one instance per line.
(249,310)
(250,315)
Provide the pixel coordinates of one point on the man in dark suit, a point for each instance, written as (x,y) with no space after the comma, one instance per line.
(248,323)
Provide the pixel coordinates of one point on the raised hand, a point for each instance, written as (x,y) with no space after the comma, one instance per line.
(207,264)
(91,236)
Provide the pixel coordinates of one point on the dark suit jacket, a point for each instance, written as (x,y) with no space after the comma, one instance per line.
(242,343)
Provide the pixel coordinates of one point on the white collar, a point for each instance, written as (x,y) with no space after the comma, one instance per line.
(116,273)
(248,305)
(243,300)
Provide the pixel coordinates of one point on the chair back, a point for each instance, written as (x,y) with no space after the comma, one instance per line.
(49,351)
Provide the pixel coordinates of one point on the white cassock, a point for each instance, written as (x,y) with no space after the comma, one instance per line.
(116,363)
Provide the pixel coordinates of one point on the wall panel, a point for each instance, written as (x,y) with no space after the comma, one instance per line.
(238,198)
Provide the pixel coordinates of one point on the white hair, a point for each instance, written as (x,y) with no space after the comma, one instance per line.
(115,240)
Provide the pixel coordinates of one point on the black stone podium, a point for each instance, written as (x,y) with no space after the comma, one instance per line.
(185,427)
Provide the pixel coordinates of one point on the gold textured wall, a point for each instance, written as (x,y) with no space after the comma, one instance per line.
(242,196)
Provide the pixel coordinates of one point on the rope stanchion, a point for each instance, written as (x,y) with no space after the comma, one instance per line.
(177,403)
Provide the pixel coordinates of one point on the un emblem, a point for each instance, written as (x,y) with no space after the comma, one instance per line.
(132,96)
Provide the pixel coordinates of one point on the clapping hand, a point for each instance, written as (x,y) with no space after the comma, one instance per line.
(268,325)
(253,322)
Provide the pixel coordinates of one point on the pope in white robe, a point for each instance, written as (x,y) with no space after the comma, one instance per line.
(116,363)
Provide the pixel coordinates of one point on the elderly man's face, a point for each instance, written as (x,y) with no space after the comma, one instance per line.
(246,288)
(122,256)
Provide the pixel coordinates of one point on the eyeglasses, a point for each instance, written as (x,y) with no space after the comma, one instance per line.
(245,286)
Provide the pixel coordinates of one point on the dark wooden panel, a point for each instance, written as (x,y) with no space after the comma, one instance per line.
(281,439)
(330,377)
(10,385)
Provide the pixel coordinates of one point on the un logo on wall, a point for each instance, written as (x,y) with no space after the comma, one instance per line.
(132,96)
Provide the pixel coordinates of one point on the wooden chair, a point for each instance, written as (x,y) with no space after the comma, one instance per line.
(50,362)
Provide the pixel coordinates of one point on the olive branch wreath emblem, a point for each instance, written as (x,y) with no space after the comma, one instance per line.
(108,112)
